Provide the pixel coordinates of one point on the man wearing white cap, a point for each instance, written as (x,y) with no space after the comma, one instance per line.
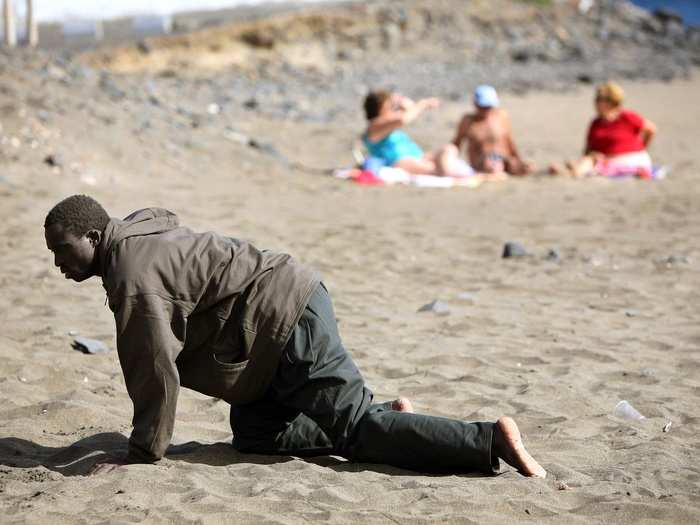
(488,136)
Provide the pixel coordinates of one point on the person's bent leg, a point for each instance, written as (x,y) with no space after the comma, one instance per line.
(417,166)
(266,427)
(517,167)
(581,167)
(424,443)
(449,164)
(317,377)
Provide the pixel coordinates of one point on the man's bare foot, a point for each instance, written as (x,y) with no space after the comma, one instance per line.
(402,404)
(508,445)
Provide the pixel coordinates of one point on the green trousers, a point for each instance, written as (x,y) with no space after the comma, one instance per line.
(318,404)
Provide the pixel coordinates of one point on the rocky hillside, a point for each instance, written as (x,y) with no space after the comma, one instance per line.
(441,47)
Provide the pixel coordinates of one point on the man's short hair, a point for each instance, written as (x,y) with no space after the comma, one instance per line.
(78,214)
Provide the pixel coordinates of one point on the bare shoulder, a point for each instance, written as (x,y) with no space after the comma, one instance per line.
(503,114)
(466,120)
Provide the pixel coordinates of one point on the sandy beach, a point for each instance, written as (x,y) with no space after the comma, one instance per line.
(554,343)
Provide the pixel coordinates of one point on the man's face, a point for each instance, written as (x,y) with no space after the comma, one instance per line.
(74,255)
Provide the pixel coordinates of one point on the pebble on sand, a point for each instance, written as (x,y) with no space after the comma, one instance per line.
(89,346)
(513,249)
(437,306)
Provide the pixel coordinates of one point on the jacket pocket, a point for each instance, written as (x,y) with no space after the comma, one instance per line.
(208,374)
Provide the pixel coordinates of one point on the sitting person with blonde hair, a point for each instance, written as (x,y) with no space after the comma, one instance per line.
(384,139)
(617,139)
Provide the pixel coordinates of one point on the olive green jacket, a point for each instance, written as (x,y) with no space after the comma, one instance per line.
(198,310)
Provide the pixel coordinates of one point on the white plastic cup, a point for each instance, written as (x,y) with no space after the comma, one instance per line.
(626,411)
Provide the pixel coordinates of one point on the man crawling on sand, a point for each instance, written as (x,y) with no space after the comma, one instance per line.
(488,137)
(256,329)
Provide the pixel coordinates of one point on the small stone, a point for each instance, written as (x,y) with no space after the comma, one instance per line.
(584,78)
(213,109)
(563,486)
(466,297)
(235,136)
(143,47)
(251,103)
(667,426)
(89,346)
(513,249)
(73,333)
(437,306)
(53,160)
(676,259)
(553,255)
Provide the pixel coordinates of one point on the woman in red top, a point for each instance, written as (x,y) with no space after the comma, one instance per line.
(617,139)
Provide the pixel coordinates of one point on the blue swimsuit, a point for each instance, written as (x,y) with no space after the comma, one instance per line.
(395,146)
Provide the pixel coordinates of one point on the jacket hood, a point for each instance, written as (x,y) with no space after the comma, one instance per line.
(148,221)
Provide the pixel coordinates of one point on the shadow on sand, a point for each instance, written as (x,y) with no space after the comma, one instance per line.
(77,459)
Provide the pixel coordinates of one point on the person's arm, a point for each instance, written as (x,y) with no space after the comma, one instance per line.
(587,149)
(147,350)
(647,132)
(407,112)
(461,132)
(510,143)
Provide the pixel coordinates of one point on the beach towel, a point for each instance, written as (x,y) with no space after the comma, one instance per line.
(389,176)
(637,164)
(373,172)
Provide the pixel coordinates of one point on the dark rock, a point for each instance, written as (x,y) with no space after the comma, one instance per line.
(108,85)
(437,307)
(251,103)
(53,160)
(514,249)
(267,148)
(676,259)
(89,346)
(584,78)
(652,25)
(553,255)
(256,38)
(522,54)
(666,16)
(143,47)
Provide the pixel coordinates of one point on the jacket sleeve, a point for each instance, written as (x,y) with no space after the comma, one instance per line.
(148,346)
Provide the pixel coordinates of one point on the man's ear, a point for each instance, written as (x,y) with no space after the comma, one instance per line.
(95,237)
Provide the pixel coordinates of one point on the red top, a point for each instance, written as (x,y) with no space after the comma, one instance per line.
(615,137)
